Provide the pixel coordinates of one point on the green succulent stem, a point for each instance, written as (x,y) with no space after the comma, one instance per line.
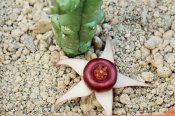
(75,25)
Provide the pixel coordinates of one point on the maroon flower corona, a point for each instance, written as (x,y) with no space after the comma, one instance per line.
(100,74)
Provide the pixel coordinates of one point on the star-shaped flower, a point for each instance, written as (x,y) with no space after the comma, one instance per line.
(98,75)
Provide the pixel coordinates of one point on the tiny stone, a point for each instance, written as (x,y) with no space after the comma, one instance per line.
(52,48)
(32,2)
(168,49)
(124,98)
(106,26)
(96,103)
(43,45)
(120,111)
(26,9)
(93,55)
(115,21)
(164,72)
(42,26)
(97,43)
(150,44)
(44,95)
(37,56)
(67,81)
(99,29)
(26,51)
(145,52)
(159,101)
(158,60)
(33,96)
(55,56)
(50,100)
(128,90)
(67,109)
(172,42)
(138,54)
(45,58)
(16,33)
(147,76)
(170,58)
(153,42)
(168,34)
(173,26)
(28,41)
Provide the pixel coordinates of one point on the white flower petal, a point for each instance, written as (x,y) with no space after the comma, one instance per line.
(79,90)
(107,53)
(124,81)
(77,64)
(106,100)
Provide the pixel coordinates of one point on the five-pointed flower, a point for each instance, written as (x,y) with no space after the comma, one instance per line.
(98,75)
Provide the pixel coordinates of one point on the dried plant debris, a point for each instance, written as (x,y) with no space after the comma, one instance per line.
(142,34)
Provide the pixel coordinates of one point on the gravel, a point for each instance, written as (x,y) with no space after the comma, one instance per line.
(142,33)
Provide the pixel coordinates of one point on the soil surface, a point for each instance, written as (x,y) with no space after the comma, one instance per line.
(142,33)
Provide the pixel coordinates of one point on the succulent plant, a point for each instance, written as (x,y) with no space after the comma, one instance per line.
(76,24)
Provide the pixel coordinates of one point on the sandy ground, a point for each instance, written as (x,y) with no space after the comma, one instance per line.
(142,33)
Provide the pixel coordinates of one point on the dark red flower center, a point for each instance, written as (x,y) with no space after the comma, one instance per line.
(100,74)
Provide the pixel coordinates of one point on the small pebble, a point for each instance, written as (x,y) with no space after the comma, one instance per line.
(172,42)
(153,42)
(164,72)
(120,111)
(125,99)
(147,76)
(16,33)
(173,26)
(42,26)
(168,34)
(97,43)
(159,101)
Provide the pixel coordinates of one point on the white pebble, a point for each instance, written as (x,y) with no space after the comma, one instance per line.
(55,56)
(67,80)
(52,48)
(168,34)
(45,58)
(138,54)
(164,72)
(97,42)
(16,33)
(168,49)
(170,58)
(159,101)
(128,90)
(147,76)
(96,103)
(25,51)
(158,60)
(145,52)
(120,111)
(173,26)
(42,26)
(44,95)
(125,99)
(153,42)
(172,42)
